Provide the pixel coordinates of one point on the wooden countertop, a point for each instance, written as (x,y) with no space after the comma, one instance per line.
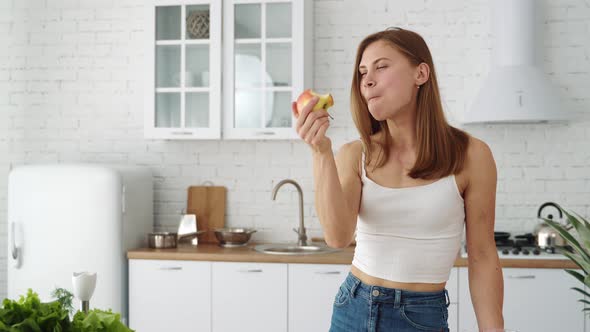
(213,252)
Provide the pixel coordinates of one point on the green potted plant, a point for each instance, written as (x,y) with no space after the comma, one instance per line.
(580,246)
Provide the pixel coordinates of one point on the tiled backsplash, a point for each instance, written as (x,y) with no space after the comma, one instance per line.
(71,76)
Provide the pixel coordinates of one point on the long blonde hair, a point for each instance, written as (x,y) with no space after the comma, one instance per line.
(441,148)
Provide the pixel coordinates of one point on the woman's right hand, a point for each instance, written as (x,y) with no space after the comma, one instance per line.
(312,126)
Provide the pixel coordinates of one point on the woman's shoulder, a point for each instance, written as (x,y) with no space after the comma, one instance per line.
(479,160)
(349,155)
(478,151)
(356,148)
(353,147)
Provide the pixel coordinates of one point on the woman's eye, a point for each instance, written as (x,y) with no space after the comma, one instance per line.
(363,74)
(381,67)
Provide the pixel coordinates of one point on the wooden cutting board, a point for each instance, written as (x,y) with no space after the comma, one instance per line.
(208,204)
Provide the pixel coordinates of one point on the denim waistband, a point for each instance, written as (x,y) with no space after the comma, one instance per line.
(393,295)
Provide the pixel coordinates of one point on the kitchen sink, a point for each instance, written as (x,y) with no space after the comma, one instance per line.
(293,249)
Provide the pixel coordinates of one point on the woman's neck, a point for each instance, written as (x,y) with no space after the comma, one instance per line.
(402,130)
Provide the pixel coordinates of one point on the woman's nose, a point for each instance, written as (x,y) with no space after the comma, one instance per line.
(369,83)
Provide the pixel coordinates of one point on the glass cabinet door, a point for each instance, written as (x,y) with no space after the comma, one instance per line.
(259,47)
(186,85)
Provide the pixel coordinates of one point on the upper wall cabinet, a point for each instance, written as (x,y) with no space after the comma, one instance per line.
(267,64)
(184,85)
(264,53)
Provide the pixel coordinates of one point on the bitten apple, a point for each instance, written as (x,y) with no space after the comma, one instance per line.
(326,101)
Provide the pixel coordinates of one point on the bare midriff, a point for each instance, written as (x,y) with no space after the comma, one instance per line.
(411,286)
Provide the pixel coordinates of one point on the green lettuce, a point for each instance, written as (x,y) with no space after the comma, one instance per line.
(28,313)
(98,321)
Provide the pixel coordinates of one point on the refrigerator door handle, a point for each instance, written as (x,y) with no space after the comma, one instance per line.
(123,200)
(14,250)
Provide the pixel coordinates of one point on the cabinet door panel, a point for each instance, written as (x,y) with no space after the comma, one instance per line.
(197,66)
(278,20)
(453,319)
(183,63)
(586,313)
(535,300)
(167,22)
(249,297)
(452,285)
(312,288)
(169,295)
(267,64)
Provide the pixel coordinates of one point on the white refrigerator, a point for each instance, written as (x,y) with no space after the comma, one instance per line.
(66,218)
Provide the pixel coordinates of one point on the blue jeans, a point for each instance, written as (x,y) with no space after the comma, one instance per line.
(361,307)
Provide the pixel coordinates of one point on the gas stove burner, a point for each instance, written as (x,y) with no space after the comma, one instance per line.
(527,239)
(516,250)
(532,250)
(525,246)
(505,243)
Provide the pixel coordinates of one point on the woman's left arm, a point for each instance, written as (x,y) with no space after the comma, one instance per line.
(486,282)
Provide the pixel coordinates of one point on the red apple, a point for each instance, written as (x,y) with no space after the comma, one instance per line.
(326,101)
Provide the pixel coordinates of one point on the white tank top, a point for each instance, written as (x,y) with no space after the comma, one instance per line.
(410,234)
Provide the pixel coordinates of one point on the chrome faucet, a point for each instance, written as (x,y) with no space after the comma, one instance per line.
(302,236)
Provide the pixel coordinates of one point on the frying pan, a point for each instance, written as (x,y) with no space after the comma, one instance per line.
(501,236)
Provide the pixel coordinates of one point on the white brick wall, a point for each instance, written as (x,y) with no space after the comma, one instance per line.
(71,90)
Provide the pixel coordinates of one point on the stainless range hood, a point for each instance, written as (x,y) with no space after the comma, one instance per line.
(516,89)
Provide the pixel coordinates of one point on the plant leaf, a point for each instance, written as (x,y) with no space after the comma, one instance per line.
(581,291)
(584,265)
(582,227)
(576,275)
(582,218)
(586,235)
(568,238)
(64,297)
(584,301)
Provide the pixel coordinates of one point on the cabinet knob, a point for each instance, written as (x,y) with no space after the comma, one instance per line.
(171,268)
(182,133)
(328,272)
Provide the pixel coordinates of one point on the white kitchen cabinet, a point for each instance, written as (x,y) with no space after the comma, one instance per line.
(267,64)
(535,300)
(312,289)
(586,313)
(226,296)
(249,297)
(266,61)
(452,285)
(183,92)
(169,295)
(453,318)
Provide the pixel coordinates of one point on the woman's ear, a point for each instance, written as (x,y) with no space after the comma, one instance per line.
(422,73)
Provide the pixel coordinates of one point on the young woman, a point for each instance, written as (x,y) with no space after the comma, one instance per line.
(406,189)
